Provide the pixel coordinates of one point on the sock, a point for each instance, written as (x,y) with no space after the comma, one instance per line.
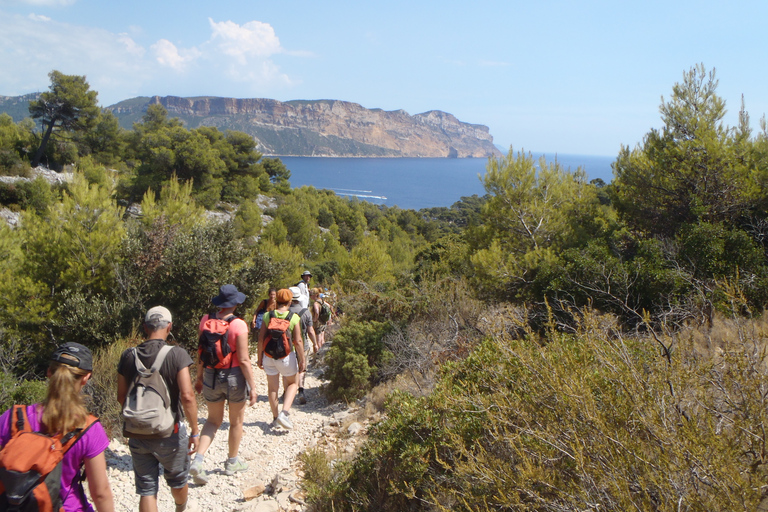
(182,507)
(232,460)
(198,458)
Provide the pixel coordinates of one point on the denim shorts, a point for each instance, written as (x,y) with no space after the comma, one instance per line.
(149,454)
(225,384)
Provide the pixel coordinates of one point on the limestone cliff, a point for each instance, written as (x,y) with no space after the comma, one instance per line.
(325,127)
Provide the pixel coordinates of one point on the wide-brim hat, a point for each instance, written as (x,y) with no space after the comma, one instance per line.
(306,273)
(228,297)
(296,292)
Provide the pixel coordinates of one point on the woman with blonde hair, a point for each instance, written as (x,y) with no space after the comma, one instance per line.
(63,411)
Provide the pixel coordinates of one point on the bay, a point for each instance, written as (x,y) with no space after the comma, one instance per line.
(415,183)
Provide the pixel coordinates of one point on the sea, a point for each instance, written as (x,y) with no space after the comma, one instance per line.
(416,183)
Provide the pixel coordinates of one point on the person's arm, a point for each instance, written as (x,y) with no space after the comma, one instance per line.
(262,343)
(313,337)
(315,312)
(122,389)
(189,404)
(298,346)
(243,355)
(98,483)
(200,374)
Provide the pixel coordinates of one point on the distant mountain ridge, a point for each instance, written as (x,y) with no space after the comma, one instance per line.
(310,127)
(17,106)
(324,127)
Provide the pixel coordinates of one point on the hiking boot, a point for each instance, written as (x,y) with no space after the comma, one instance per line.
(301,398)
(198,474)
(283,421)
(235,467)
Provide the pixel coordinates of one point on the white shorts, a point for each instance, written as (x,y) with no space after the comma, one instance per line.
(287,366)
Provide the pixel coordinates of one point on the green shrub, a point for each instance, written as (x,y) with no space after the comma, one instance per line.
(102,388)
(354,358)
(24,392)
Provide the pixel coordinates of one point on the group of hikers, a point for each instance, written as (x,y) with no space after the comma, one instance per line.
(48,449)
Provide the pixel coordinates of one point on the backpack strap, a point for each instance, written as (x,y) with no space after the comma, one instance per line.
(289,317)
(70,438)
(160,358)
(21,423)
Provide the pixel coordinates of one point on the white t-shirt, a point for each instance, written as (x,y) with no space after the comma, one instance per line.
(304,297)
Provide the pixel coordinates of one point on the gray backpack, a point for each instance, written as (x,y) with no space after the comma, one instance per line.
(147,410)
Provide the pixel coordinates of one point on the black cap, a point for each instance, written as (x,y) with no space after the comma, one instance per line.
(74,354)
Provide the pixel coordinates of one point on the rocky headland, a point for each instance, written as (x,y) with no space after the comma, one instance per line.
(325,127)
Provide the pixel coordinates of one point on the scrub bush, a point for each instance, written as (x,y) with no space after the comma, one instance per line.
(589,421)
(355,357)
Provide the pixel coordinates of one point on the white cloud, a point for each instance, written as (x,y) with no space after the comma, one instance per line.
(167,54)
(235,60)
(32,46)
(243,42)
(130,45)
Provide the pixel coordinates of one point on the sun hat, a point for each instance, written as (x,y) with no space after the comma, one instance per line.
(284,296)
(306,273)
(295,292)
(158,313)
(228,297)
(74,354)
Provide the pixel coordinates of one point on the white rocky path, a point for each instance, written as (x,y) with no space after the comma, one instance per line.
(272,481)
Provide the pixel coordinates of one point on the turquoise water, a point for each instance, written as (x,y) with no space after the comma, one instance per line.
(414,183)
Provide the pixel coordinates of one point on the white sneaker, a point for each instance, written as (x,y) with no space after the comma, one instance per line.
(198,474)
(283,420)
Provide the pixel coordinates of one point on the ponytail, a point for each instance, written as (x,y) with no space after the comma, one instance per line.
(63,407)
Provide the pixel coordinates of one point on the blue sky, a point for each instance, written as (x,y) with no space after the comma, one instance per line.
(550,76)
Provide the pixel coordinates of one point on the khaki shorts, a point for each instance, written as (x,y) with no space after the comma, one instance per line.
(225,384)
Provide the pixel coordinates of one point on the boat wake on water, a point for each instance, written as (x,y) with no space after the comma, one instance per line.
(357,193)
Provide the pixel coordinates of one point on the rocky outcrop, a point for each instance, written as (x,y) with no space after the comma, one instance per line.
(326,127)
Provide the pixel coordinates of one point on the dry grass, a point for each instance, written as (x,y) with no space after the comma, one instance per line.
(596,420)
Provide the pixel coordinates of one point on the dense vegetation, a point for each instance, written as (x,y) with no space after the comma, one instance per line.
(558,344)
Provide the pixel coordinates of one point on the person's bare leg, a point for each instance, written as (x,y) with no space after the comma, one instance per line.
(148,503)
(292,386)
(180,495)
(212,424)
(236,417)
(273,385)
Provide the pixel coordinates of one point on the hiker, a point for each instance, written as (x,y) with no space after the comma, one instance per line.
(307,332)
(303,286)
(62,412)
(150,446)
(228,380)
(289,365)
(322,312)
(268,304)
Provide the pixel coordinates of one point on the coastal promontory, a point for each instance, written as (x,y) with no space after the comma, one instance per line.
(324,127)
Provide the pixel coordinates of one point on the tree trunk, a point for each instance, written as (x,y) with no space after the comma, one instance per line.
(39,152)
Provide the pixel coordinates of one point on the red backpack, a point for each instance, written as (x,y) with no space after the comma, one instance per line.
(213,345)
(30,465)
(278,342)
